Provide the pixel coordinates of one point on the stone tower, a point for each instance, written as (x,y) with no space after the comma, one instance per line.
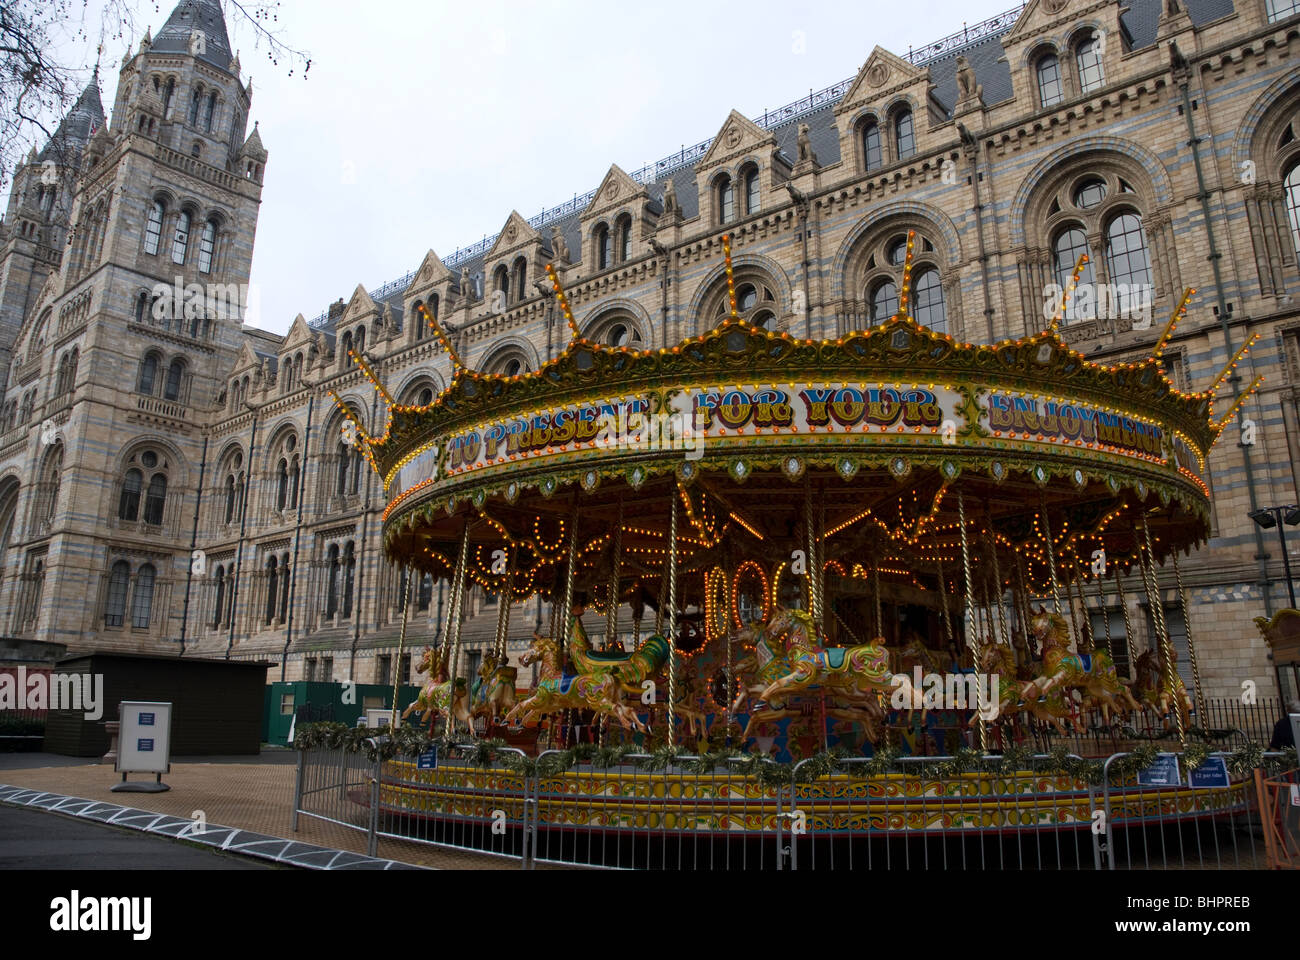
(123,347)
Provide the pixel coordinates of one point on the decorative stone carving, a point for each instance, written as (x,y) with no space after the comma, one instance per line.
(559,249)
(806,154)
(877,75)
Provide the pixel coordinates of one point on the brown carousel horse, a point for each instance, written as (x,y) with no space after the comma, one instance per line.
(556,691)
(851,679)
(494,694)
(1155,691)
(1093,674)
(998,660)
(855,673)
(436,697)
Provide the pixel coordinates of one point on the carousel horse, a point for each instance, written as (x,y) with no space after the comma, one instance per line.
(916,654)
(854,673)
(557,691)
(845,699)
(493,694)
(436,698)
(1157,694)
(1093,674)
(631,669)
(998,660)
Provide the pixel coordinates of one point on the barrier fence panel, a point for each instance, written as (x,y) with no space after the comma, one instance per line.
(1154,825)
(690,815)
(452,799)
(927,813)
(335,786)
(1279,805)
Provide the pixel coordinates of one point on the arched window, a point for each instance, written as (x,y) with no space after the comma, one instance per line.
(624,230)
(142,308)
(1050,89)
(128,504)
(1087,58)
(167,97)
(349,576)
(148,375)
(726,199)
(341,487)
(361,341)
(501,282)
(294,474)
(904,134)
(207,246)
(195,100)
(272,585)
(210,113)
(1071,243)
(156,501)
(142,598)
(604,248)
(520,272)
(221,598)
(872,151)
(118,580)
(282,485)
(884,301)
(930,309)
(332,588)
(230,498)
(1293,203)
(181,241)
(284,588)
(175,377)
(153,229)
(1127,260)
(752,192)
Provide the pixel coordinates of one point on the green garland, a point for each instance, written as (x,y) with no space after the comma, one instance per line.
(411,741)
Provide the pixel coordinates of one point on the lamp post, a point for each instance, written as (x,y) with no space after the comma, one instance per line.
(1270,517)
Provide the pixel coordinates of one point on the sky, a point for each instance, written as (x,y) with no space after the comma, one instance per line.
(423,123)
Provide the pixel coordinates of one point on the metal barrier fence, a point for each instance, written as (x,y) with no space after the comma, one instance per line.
(704,815)
(1279,805)
(340,787)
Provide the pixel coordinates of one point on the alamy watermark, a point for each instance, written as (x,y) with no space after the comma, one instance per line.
(652,432)
(53,691)
(947,691)
(1102,301)
(201,301)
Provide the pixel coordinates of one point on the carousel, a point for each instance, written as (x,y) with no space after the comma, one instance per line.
(888,538)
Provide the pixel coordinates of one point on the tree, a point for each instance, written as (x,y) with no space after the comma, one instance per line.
(50,49)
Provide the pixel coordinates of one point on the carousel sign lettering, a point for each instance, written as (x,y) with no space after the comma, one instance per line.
(822,406)
(1051,419)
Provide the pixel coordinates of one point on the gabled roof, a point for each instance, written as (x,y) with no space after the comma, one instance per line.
(204,16)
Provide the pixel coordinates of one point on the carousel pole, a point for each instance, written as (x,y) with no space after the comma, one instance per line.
(997,577)
(875,592)
(672,619)
(453,634)
(1162,629)
(1105,615)
(1023,608)
(943,594)
(401,645)
(611,614)
(1191,647)
(567,611)
(1083,627)
(814,602)
(1128,625)
(1051,556)
(970,607)
(504,597)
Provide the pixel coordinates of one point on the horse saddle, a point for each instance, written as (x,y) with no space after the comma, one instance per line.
(613,658)
(835,657)
(1085,662)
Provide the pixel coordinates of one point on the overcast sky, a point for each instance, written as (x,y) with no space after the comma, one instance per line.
(424,123)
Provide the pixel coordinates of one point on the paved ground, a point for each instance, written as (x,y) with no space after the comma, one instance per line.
(34,840)
(249,793)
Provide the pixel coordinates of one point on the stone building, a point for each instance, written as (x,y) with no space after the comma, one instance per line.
(182,484)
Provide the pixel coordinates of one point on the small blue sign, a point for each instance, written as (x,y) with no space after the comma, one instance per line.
(1163,772)
(1212,773)
(146,719)
(428,760)
(144,746)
